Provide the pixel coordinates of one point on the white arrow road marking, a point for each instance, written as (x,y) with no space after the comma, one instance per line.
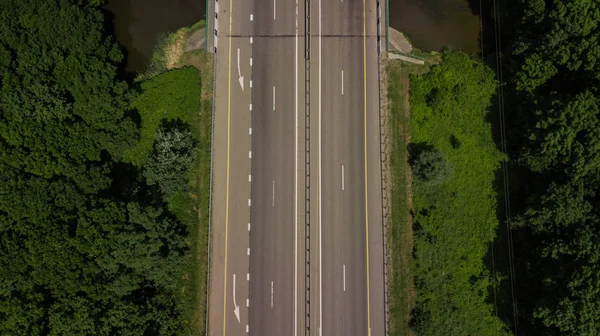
(237,308)
(240,77)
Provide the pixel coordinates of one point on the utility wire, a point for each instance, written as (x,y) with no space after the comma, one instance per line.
(492,256)
(498,41)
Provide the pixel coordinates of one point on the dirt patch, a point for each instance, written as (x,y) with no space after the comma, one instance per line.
(175,49)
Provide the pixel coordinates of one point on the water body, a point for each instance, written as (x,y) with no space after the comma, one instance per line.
(137,23)
(436,24)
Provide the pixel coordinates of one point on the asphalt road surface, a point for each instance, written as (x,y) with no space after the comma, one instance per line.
(259,262)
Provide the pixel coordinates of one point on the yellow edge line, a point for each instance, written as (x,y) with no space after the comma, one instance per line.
(227,174)
(366,175)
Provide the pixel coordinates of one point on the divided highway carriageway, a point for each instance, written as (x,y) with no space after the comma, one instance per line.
(296,222)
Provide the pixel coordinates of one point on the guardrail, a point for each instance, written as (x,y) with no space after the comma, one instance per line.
(212,142)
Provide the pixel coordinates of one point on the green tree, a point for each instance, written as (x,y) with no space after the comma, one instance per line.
(431,166)
(566,137)
(564,32)
(567,262)
(171,159)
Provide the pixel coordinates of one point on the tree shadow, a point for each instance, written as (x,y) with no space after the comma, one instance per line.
(416,148)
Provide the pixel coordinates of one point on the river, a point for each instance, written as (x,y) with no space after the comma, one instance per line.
(429,24)
(138,22)
(436,24)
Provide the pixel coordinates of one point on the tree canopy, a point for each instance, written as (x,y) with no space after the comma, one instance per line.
(552,69)
(80,254)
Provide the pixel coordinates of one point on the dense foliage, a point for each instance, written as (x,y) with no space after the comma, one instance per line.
(552,72)
(430,166)
(86,247)
(454,219)
(171,158)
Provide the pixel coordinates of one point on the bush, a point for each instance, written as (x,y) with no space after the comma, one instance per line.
(431,166)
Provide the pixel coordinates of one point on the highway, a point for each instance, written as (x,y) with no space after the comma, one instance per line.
(259,265)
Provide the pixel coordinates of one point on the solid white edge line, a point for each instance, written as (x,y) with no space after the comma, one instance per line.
(274,9)
(273,97)
(342,82)
(320,210)
(296,188)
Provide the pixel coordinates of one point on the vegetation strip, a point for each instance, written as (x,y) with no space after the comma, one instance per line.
(453,160)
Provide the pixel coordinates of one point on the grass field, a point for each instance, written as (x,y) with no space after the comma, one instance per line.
(184,91)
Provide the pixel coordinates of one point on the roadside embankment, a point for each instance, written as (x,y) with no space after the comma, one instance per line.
(177,87)
(399,242)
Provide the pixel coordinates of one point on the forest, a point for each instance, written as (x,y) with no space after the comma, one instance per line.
(550,70)
(97,213)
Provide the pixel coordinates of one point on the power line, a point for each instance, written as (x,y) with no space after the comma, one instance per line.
(498,46)
(492,256)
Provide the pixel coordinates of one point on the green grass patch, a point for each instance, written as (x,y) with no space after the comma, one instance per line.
(455,220)
(171,95)
(196,27)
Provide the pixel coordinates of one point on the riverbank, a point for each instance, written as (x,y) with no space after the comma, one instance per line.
(179,82)
(399,237)
(174,50)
